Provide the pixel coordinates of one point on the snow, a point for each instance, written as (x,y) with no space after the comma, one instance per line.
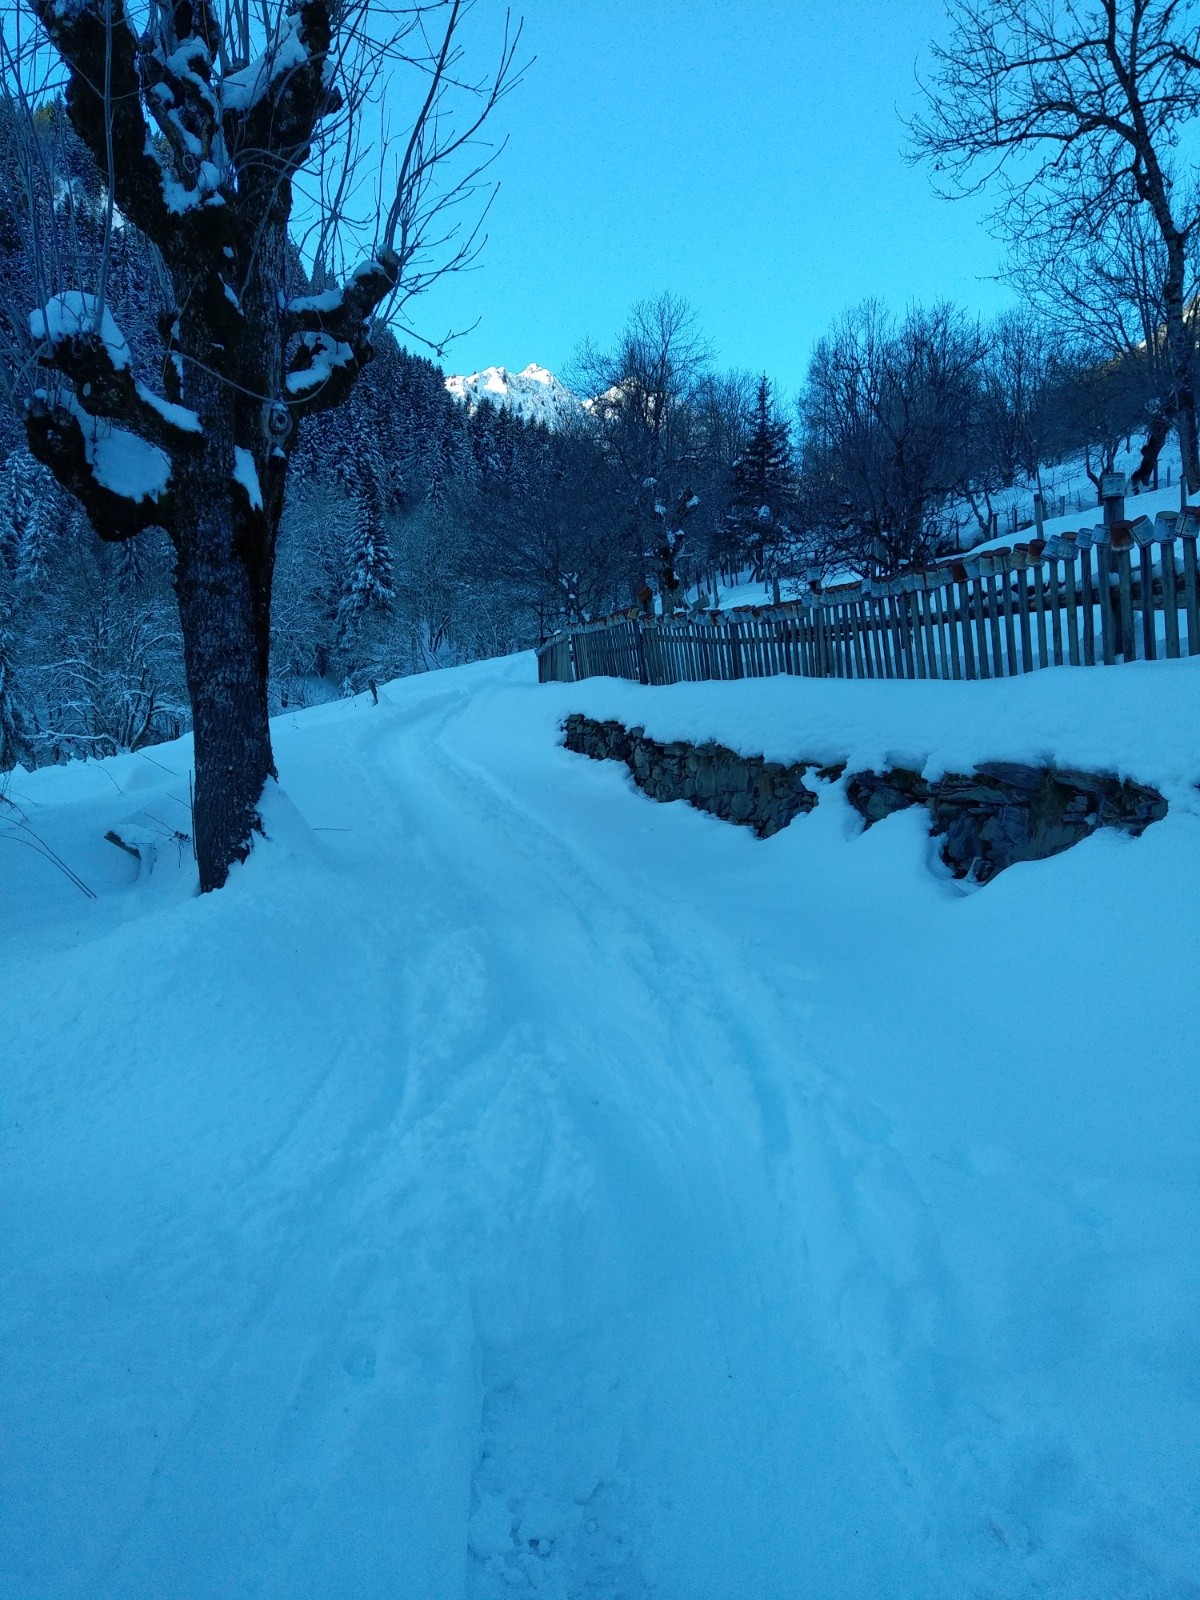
(1124,719)
(327,301)
(242,90)
(67,315)
(122,462)
(180,198)
(328,354)
(181,417)
(1147,504)
(246,473)
(510,1186)
(534,393)
(180,63)
(1069,481)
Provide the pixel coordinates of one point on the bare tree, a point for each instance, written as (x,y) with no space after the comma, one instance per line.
(232,139)
(648,393)
(1077,107)
(1104,295)
(886,417)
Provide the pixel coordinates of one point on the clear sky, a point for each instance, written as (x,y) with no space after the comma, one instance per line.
(745,154)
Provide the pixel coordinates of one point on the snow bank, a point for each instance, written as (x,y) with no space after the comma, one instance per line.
(1127,719)
(510,1186)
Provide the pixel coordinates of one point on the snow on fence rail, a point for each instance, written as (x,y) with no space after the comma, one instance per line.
(1111,593)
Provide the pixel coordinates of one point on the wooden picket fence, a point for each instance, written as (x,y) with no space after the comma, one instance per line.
(1105,594)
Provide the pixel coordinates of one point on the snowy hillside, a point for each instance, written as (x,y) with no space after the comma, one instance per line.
(534,393)
(510,1186)
(1070,497)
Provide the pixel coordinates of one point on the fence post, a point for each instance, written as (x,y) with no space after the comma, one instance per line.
(1187,532)
(1104,597)
(1143,533)
(1051,555)
(1036,555)
(975,575)
(735,649)
(988,563)
(639,648)
(1083,543)
(1070,556)
(1112,492)
(1164,534)
(1122,542)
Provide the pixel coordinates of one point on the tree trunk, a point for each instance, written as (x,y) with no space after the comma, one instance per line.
(1156,437)
(1184,394)
(223,585)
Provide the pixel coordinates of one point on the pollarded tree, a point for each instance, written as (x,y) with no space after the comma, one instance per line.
(206,124)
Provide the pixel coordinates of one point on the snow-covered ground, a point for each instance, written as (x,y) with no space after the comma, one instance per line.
(510,1186)
(1069,487)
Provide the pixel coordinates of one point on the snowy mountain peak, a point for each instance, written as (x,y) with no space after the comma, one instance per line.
(535,394)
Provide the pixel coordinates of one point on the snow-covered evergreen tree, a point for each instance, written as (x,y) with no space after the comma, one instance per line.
(763,488)
(130,564)
(370,582)
(27,505)
(13,724)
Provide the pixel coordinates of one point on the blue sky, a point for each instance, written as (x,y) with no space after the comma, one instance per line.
(744,154)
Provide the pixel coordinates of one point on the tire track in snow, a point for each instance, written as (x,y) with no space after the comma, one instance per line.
(441,783)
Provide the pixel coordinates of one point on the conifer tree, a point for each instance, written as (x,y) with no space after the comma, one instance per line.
(19,504)
(131,567)
(762,489)
(13,728)
(369,582)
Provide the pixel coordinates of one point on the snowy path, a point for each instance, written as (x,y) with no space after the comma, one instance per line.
(533,1190)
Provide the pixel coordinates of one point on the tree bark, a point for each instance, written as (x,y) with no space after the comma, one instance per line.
(1183,385)
(1156,436)
(208,179)
(223,585)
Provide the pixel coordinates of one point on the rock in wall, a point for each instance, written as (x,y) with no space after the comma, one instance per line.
(1005,811)
(763,795)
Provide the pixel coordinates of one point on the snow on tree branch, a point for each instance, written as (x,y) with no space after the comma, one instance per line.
(342,311)
(109,441)
(335,334)
(80,338)
(276,103)
(121,480)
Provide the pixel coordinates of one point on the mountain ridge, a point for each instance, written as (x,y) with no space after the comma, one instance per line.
(535,394)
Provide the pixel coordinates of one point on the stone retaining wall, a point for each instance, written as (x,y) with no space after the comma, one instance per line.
(1001,813)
